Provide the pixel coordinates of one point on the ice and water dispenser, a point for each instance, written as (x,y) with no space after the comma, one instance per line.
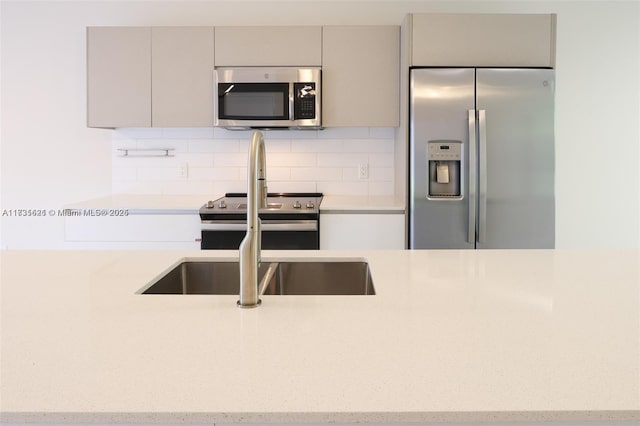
(445,165)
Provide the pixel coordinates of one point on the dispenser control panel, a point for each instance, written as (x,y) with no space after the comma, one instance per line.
(444,151)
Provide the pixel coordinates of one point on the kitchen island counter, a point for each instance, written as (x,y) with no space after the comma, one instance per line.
(450,336)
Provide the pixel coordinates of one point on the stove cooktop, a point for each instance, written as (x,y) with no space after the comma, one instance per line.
(277,203)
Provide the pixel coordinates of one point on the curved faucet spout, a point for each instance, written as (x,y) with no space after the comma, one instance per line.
(251,244)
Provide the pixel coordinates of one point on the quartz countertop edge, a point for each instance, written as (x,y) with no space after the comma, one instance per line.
(449,336)
(321,417)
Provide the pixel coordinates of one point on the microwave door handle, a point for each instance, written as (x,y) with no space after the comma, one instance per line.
(292,96)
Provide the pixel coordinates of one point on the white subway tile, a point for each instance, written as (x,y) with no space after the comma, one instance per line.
(341,160)
(297,161)
(214,173)
(368,145)
(344,133)
(380,188)
(317,145)
(381,160)
(223,159)
(283,145)
(213,145)
(343,188)
(136,187)
(177,145)
(382,132)
(289,134)
(278,173)
(272,145)
(316,174)
(141,162)
(195,160)
(290,186)
(283,159)
(188,133)
(220,133)
(224,186)
(161,173)
(350,174)
(379,174)
(139,132)
(188,188)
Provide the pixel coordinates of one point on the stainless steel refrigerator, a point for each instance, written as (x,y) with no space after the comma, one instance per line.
(481,158)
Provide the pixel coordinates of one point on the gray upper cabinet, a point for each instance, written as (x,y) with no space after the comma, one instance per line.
(509,40)
(360,76)
(118,77)
(150,77)
(182,76)
(268,46)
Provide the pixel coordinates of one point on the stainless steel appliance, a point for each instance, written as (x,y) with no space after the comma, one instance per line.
(256,97)
(291,221)
(481,158)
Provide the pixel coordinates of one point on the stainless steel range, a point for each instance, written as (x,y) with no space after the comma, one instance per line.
(291,221)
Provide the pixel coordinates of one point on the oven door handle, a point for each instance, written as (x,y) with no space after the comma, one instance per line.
(267,225)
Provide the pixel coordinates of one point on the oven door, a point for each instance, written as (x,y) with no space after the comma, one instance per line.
(276,235)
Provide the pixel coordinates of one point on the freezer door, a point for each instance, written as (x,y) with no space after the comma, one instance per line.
(516,158)
(439,111)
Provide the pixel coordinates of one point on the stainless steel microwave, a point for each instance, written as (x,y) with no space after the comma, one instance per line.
(257,97)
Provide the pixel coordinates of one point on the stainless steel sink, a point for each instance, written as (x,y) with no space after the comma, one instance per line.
(311,277)
(316,278)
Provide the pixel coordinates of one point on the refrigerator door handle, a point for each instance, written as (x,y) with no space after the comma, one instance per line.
(482,206)
(471,232)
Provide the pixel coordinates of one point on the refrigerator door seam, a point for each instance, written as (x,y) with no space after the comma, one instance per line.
(482,206)
(471,232)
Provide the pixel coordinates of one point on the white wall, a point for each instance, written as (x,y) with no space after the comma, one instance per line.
(50,158)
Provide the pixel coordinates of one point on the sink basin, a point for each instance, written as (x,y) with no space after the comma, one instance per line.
(305,277)
(315,278)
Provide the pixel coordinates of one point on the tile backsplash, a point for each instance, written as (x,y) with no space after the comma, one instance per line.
(214,161)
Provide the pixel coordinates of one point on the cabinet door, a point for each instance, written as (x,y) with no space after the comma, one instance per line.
(118,77)
(268,46)
(494,40)
(360,76)
(369,231)
(182,76)
(162,231)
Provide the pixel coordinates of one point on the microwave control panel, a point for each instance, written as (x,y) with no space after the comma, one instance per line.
(304,106)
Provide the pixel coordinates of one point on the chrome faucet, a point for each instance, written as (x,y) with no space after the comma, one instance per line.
(251,244)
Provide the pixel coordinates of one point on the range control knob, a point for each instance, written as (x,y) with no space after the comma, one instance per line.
(297,205)
(222,205)
(310,205)
(210,204)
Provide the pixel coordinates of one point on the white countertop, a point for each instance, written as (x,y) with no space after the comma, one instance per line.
(362,204)
(147,204)
(450,336)
(189,204)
